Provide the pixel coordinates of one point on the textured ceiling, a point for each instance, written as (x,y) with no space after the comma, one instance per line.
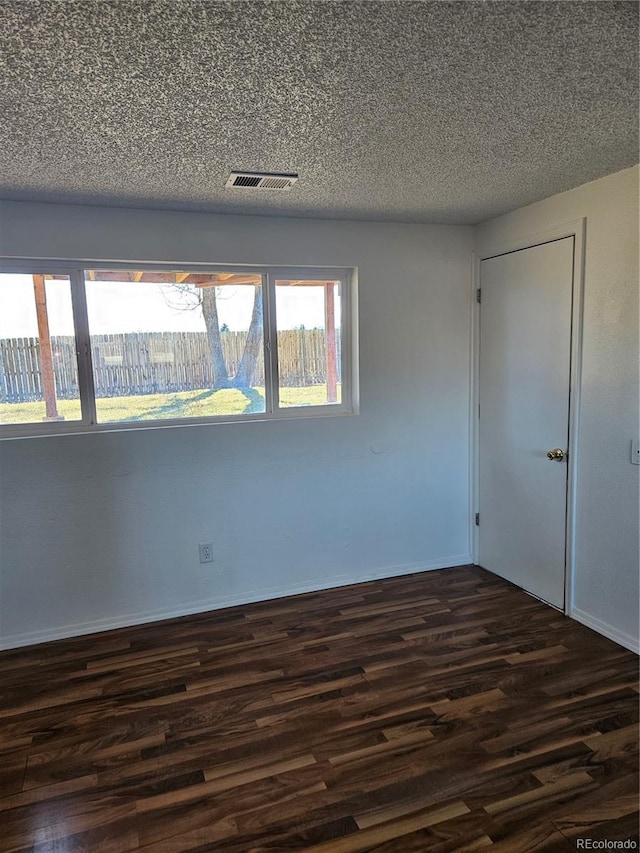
(412,111)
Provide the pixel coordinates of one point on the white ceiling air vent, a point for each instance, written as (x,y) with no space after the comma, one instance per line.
(260,181)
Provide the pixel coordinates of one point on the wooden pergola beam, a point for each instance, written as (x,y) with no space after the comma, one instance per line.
(167,277)
(218,281)
(197,279)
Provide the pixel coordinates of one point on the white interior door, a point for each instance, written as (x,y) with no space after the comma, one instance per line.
(525,363)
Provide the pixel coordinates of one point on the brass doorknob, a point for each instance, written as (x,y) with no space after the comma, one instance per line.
(557,454)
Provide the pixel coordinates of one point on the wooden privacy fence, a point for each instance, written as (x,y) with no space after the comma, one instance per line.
(153,363)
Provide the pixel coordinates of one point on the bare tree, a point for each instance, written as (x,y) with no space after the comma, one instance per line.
(206,300)
(245,374)
(209,305)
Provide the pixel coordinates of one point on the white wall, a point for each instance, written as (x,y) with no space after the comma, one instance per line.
(606,579)
(102,530)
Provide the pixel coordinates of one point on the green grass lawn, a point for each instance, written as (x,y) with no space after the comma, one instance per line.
(182,404)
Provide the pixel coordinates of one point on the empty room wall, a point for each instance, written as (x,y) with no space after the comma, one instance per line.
(102,530)
(606,579)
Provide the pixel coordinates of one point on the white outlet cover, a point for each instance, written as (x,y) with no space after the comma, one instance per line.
(206,553)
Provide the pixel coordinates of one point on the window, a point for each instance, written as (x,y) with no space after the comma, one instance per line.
(167,345)
(113,347)
(308,324)
(38,358)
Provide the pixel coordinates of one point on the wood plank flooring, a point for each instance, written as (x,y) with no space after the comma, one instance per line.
(434,712)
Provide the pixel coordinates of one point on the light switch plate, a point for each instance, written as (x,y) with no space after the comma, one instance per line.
(635,452)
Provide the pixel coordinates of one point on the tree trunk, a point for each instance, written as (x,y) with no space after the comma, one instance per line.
(210,314)
(246,369)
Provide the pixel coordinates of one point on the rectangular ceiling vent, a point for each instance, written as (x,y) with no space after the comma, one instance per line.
(261,180)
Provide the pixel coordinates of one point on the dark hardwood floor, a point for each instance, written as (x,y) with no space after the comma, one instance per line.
(441,711)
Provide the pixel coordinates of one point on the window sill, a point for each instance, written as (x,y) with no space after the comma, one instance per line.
(51,430)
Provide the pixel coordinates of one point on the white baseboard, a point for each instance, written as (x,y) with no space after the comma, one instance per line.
(95,626)
(608,631)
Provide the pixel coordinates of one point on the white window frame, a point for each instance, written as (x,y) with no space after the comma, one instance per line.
(75,270)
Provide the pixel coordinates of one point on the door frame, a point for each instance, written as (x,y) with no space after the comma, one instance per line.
(577,229)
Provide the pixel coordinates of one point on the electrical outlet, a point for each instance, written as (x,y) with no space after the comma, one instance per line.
(635,452)
(206,553)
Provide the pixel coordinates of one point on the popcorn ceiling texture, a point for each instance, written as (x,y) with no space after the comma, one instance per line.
(410,111)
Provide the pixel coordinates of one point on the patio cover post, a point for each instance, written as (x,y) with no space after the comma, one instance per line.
(330,330)
(46,354)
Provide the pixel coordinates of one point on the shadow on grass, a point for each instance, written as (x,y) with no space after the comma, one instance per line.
(176,408)
(256,401)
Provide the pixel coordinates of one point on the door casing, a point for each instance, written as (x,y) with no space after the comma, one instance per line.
(577,229)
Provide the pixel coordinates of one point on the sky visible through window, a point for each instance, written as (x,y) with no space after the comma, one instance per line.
(149,308)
